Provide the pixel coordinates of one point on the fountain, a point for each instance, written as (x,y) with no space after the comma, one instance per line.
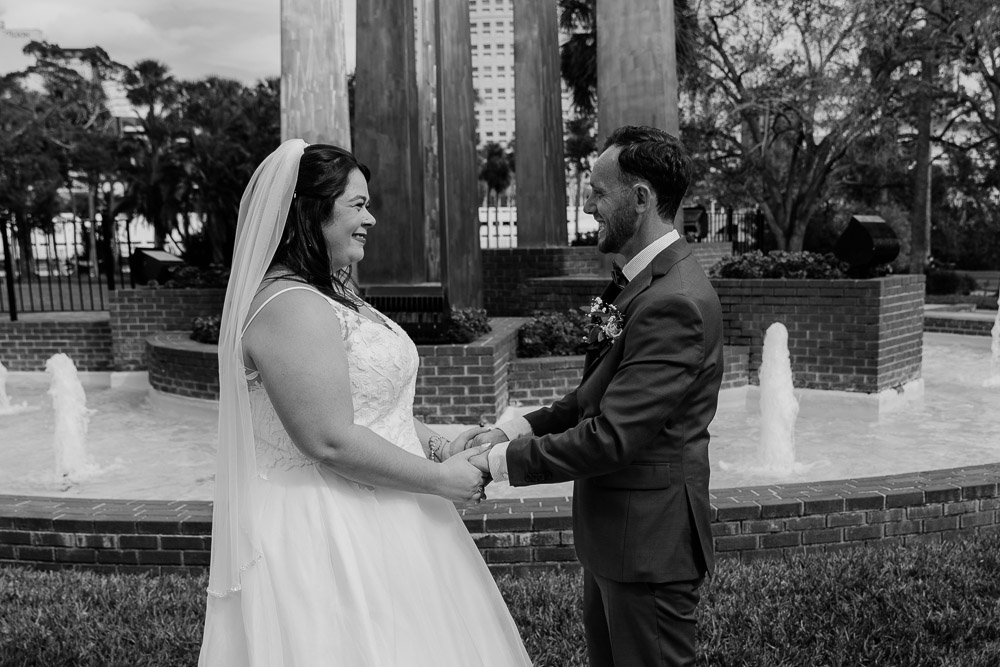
(6,406)
(71,417)
(778,405)
(994,379)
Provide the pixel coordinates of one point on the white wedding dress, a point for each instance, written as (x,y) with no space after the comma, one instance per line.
(349,574)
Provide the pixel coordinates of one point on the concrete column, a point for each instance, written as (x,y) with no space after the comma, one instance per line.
(314,103)
(387,136)
(461,263)
(541,179)
(636,66)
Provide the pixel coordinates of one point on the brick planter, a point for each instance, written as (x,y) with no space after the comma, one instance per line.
(544,379)
(455,383)
(183,367)
(850,335)
(466,383)
(27,344)
(137,313)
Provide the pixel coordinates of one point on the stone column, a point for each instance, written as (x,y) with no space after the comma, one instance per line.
(461,264)
(636,66)
(314,72)
(387,136)
(541,179)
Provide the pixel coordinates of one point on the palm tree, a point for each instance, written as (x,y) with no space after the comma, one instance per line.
(156,173)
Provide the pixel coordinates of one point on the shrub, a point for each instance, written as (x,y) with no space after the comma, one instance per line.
(459,325)
(557,334)
(206,329)
(584,238)
(464,325)
(180,277)
(949,282)
(780,264)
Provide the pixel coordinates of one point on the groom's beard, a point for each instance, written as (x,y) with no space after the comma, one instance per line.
(618,229)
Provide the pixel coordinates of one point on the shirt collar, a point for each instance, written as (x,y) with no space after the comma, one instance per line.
(646,255)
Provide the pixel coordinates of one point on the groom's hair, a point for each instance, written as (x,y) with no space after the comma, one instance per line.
(324,171)
(651,154)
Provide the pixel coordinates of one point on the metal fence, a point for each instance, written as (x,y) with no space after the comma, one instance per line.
(55,271)
(745,228)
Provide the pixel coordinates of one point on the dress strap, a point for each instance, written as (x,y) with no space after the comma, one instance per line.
(276,294)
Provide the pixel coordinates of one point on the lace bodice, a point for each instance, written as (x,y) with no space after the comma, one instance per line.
(382,362)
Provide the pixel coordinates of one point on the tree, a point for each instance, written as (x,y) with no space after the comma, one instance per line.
(154,169)
(782,95)
(580,147)
(230,129)
(496,172)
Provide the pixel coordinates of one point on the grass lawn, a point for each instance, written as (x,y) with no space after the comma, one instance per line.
(915,606)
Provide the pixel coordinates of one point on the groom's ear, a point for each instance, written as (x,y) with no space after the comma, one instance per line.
(644,198)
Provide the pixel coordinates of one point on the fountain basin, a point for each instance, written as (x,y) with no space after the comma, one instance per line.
(939,489)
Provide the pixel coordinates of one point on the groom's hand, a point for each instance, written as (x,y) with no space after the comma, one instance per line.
(488,437)
(461,442)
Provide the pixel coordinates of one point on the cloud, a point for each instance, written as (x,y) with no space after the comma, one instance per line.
(194,38)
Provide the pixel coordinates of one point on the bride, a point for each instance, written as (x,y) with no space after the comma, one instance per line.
(335,540)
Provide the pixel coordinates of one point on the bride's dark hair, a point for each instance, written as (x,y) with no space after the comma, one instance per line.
(301,254)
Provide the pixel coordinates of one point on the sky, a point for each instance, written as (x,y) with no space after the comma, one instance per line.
(239,39)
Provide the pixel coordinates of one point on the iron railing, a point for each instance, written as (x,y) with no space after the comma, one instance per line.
(54,271)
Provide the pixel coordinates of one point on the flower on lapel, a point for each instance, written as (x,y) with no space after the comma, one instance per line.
(606,323)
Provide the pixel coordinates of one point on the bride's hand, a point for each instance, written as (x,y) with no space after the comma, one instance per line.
(460,480)
(461,442)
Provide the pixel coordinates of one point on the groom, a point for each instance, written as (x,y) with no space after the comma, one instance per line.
(634,433)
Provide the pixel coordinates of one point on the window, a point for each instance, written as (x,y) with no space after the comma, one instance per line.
(489,135)
(500,70)
(486,47)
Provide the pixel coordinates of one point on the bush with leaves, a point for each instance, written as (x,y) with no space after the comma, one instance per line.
(584,238)
(555,334)
(781,264)
(181,277)
(458,326)
(206,329)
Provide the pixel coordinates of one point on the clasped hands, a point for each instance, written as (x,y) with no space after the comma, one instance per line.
(478,437)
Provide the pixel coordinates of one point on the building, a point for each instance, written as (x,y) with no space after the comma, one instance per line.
(492,28)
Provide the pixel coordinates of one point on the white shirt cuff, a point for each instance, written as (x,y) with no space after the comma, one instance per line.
(497,459)
(515,428)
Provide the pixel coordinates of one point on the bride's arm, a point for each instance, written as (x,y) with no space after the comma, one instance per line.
(296,345)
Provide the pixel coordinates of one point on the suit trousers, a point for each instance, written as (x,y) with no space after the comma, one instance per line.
(638,624)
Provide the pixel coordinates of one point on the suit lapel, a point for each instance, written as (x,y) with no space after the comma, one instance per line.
(660,265)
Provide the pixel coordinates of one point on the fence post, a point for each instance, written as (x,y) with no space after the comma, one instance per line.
(8,266)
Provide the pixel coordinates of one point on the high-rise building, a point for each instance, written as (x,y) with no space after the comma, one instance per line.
(492,28)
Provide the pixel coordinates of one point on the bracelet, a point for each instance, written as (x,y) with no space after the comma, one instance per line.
(434,445)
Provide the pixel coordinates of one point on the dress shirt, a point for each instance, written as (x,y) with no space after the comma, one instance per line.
(519,426)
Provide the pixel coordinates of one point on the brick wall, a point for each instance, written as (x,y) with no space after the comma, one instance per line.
(507,270)
(183,367)
(974,324)
(853,335)
(521,536)
(545,379)
(519,281)
(25,345)
(466,383)
(137,313)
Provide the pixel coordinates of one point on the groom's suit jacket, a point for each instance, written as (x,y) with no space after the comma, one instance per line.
(634,433)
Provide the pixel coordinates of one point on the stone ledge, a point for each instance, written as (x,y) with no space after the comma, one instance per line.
(521,536)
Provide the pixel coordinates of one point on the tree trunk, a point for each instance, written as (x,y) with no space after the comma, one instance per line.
(92,240)
(919,219)
(26,262)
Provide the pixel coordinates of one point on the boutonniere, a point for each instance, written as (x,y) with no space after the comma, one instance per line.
(606,323)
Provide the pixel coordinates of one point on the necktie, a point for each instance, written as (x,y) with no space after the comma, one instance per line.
(617,276)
